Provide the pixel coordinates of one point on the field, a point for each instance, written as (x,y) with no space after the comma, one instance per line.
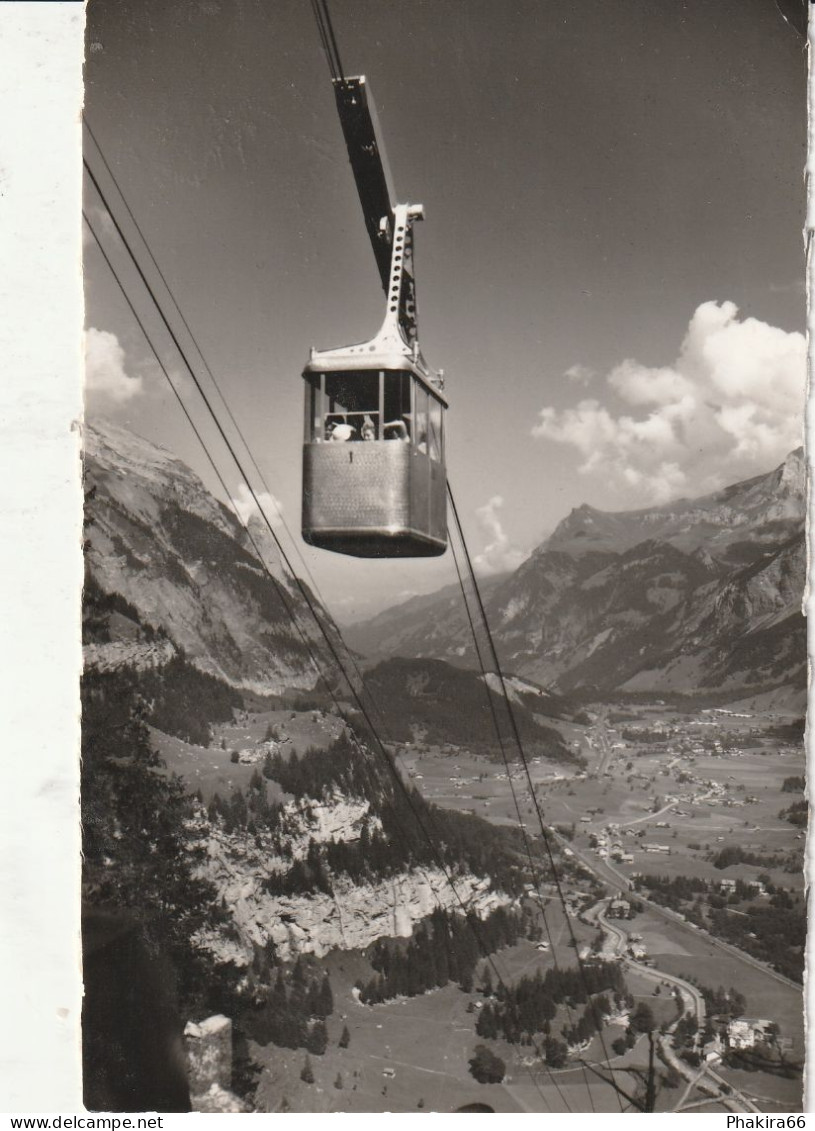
(211,768)
(465,781)
(402,1056)
(412,1054)
(770,1093)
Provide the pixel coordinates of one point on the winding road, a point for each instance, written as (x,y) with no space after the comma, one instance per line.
(734,1100)
(607,872)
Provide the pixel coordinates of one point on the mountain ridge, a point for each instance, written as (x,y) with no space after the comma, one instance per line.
(689,523)
(159,543)
(673,597)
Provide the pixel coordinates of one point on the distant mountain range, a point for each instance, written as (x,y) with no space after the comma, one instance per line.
(694,594)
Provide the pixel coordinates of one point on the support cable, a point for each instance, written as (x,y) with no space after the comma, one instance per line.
(328,39)
(508,767)
(333,39)
(527,774)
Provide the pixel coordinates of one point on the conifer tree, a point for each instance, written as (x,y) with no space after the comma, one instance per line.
(326,998)
(317,1040)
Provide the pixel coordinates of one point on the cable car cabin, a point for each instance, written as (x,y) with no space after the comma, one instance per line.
(374,482)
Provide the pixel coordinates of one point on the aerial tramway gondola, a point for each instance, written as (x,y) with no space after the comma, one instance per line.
(374,481)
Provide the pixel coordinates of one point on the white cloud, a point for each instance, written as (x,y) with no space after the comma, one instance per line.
(105,374)
(580,374)
(247,508)
(498,555)
(730,406)
(639,385)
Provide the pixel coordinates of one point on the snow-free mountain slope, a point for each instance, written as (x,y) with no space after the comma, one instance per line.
(698,593)
(161,543)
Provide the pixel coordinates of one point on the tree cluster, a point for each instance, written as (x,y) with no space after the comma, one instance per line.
(452,705)
(728,1004)
(735,854)
(672,891)
(486,1067)
(797,814)
(316,773)
(445,948)
(685,1031)
(796,784)
(97,609)
(293,1015)
(773,931)
(644,734)
(250,811)
(521,1011)
(177,698)
(138,855)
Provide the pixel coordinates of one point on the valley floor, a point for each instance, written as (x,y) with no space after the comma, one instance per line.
(669,789)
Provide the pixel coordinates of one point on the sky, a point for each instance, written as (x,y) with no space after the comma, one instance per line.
(610,271)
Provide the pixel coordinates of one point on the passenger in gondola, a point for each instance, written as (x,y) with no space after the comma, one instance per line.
(342,432)
(368,430)
(396,430)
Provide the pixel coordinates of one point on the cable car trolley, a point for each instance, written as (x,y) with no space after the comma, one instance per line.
(374,481)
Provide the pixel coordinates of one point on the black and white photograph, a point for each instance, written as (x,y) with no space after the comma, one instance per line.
(444,660)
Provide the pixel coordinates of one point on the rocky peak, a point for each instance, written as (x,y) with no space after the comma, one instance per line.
(793,474)
(739,512)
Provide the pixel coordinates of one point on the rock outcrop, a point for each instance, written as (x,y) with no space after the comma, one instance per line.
(209,1061)
(125,653)
(352,916)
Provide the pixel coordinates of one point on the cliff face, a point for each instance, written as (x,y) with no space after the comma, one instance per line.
(352,916)
(159,542)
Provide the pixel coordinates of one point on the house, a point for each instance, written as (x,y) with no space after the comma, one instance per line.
(712,1051)
(745,1032)
(740,1034)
